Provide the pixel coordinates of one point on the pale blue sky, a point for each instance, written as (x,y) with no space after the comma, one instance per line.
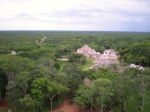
(93,15)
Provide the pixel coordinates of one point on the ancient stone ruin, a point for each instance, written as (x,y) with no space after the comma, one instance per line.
(43,39)
(13,52)
(136,66)
(88,52)
(107,58)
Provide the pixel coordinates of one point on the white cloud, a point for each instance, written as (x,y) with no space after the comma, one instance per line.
(72,14)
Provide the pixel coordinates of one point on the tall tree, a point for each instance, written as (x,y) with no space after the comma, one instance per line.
(122,89)
(103,91)
(27,102)
(97,94)
(74,77)
(84,97)
(3,83)
(79,58)
(43,88)
(12,65)
(141,88)
(23,80)
(13,94)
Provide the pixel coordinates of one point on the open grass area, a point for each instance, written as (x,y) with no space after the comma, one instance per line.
(88,64)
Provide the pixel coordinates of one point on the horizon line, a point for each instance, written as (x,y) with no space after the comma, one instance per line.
(79,31)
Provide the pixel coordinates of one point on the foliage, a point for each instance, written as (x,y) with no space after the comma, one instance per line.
(95,95)
(79,58)
(43,88)
(84,96)
(34,75)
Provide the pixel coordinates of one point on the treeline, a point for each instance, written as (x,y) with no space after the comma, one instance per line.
(108,89)
(35,77)
(133,47)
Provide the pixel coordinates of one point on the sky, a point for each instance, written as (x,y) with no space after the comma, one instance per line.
(82,15)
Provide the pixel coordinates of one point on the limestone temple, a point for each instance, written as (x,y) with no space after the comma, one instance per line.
(107,58)
(88,52)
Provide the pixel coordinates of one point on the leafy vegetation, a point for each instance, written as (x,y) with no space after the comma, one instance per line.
(36,79)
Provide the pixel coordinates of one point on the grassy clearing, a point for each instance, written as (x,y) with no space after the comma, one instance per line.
(89,63)
(86,66)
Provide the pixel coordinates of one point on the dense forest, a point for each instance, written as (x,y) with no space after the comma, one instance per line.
(34,79)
